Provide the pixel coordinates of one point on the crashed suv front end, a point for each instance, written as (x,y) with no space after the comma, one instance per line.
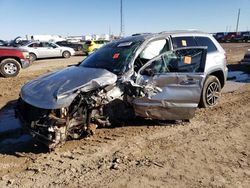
(54,126)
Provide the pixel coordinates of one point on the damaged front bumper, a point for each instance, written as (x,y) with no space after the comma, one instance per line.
(49,130)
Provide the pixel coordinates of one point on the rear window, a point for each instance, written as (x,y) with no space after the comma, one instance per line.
(181,42)
(205,41)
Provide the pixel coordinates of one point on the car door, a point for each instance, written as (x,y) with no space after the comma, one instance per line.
(44,50)
(55,50)
(172,83)
(35,48)
(51,50)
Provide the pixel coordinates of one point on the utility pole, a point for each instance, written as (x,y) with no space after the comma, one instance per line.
(238,20)
(109,31)
(122,24)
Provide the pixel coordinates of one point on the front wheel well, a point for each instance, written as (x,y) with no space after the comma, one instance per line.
(11,57)
(219,74)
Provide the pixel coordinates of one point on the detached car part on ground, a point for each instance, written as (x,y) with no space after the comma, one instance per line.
(136,76)
(12,60)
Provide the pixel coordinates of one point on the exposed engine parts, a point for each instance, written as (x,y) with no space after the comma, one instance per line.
(87,111)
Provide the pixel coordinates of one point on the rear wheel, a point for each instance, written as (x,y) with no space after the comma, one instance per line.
(32,57)
(211,92)
(9,67)
(66,54)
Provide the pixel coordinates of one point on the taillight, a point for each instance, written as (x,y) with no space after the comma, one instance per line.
(225,55)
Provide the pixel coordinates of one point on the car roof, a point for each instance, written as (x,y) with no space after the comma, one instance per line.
(148,36)
(38,41)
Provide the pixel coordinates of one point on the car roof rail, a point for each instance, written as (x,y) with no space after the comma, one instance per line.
(136,34)
(182,31)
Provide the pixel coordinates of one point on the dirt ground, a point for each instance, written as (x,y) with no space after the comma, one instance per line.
(213,150)
(235,51)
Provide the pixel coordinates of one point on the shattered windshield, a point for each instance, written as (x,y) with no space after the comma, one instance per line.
(114,56)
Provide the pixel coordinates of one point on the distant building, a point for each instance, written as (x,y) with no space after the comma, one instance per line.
(96,37)
(53,38)
(87,37)
(74,38)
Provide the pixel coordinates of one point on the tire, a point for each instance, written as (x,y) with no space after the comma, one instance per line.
(32,57)
(9,67)
(210,92)
(79,48)
(66,54)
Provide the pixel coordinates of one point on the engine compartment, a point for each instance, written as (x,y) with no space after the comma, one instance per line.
(89,110)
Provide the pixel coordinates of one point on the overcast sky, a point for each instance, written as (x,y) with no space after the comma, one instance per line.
(80,17)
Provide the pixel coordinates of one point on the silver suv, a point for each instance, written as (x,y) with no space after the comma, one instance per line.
(161,76)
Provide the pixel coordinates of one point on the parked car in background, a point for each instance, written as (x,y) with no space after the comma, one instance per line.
(220,36)
(18,41)
(246,36)
(92,45)
(75,46)
(246,59)
(162,76)
(12,60)
(234,37)
(3,43)
(39,49)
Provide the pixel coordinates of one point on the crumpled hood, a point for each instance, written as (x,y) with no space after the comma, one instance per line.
(58,89)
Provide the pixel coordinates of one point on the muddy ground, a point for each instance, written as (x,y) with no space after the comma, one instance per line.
(213,150)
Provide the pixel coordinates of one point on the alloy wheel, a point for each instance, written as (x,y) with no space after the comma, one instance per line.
(213,93)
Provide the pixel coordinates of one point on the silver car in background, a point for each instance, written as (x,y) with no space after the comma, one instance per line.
(39,49)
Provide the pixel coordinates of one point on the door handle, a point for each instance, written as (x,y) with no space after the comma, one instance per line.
(189,81)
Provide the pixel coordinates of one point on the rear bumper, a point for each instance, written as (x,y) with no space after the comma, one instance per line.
(25,63)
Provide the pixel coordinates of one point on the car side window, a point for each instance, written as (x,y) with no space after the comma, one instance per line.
(33,45)
(45,44)
(205,41)
(51,45)
(152,50)
(184,60)
(180,42)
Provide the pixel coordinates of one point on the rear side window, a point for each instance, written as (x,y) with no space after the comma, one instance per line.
(181,42)
(205,41)
(34,45)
